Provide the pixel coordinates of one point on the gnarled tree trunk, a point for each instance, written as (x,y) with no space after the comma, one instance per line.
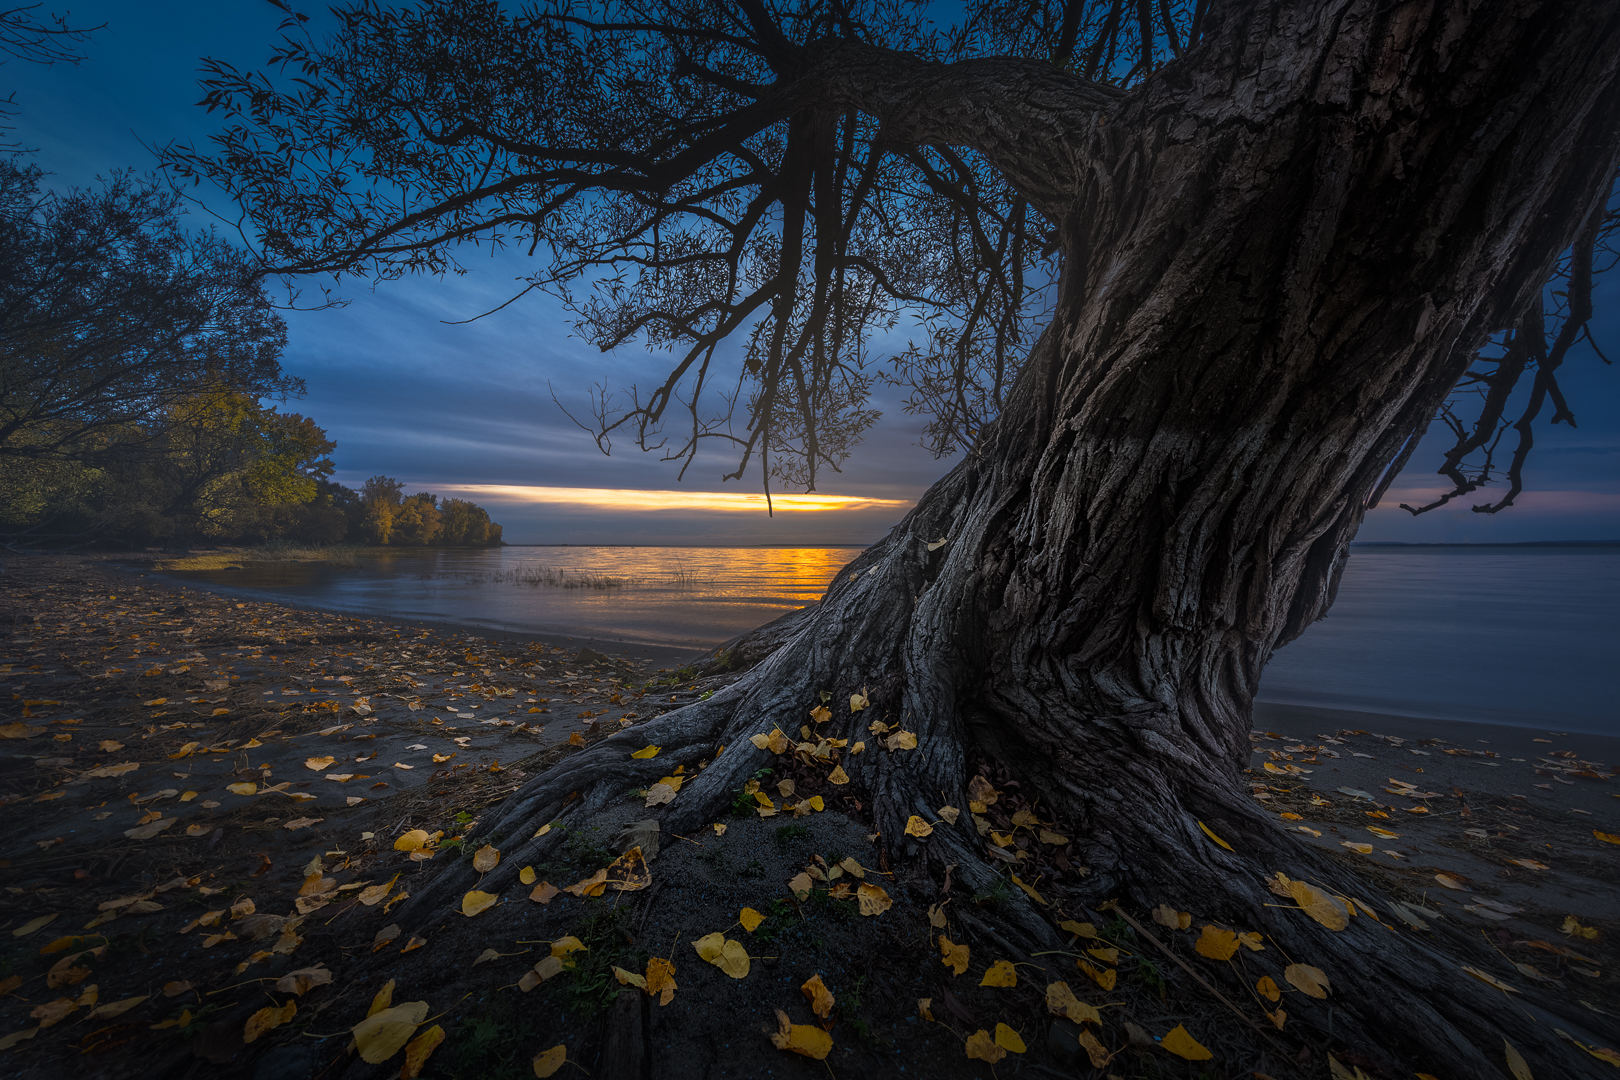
(1280,254)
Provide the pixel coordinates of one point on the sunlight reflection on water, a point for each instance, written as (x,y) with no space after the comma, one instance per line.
(695,597)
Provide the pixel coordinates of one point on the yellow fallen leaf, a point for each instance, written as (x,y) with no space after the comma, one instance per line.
(418,1050)
(115,1008)
(414,840)
(381,1035)
(475,902)
(661,979)
(857,702)
(1364,849)
(1607,838)
(1060,1001)
(318,763)
(526,875)
(1312,981)
(806,1039)
(1210,833)
(1000,973)
(1217,944)
(1181,1043)
(872,899)
(34,924)
(1385,833)
(1515,1062)
(1103,977)
(1030,889)
(268,1019)
(1171,919)
(981,1047)
(1078,929)
(543,892)
(838,776)
(383,999)
(576,739)
(630,978)
(246,787)
(800,886)
(486,859)
(26,1033)
(923,1009)
(1325,909)
(1268,988)
(750,919)
(547,1062)
(1572,926)
(1008,1039)
(146,832)
(952,955)
(916,826)
(1489,979)
(647,752)
(821,999)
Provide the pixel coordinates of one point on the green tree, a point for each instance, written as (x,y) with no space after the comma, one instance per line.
(112,315)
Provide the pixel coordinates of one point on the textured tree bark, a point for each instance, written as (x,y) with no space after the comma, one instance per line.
(1280,254)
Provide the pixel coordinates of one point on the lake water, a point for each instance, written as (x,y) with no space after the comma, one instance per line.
(1494,635)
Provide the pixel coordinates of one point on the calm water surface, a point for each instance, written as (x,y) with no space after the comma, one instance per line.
(1496,635)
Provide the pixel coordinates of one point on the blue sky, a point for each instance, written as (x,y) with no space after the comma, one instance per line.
(468,409)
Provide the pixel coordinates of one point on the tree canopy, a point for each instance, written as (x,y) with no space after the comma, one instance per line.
(758,188)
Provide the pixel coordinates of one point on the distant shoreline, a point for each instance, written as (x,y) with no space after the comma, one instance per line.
(1464,544)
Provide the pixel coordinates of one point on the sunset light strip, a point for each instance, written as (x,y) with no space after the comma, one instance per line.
(633,499)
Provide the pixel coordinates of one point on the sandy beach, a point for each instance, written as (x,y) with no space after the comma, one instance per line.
(208,795)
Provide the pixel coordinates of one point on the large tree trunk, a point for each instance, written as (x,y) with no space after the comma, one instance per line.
(1280,255)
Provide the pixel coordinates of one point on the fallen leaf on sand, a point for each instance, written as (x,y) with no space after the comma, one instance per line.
(1310,980)
(1000,973)
(806,1039)
(381,1035)
(1181,1043)
(800,886)
(115,1008)
(418,1050)
(952,955)
(413,840)
(267,1019)
(729,956)
(1060,1001)
(872,899)
(629,871)
(34,924)
(659,794)
(146,832)
(303,980)
(821,999)
(547,1062)
(475,902)
(1095,1050)
(1103,977)
(981,1047)
(661,979)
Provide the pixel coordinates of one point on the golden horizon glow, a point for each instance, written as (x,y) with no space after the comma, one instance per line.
(636,499)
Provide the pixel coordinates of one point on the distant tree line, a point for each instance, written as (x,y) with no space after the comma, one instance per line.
(136,358)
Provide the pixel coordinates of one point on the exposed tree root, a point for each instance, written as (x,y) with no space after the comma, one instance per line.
(1394,997)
